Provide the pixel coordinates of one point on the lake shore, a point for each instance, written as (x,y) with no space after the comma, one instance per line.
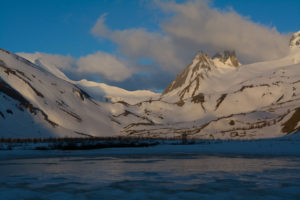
(270,147)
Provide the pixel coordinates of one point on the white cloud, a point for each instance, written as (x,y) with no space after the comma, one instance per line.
(101,64)
(138,43)
(220,30)
(105,65)
(57,61)
(188,28)
(195,26)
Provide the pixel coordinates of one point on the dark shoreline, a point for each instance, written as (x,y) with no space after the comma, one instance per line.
(90,143)
(87,143)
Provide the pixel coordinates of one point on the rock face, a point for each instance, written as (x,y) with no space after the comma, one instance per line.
(40,104)
(228,58)
(210,99)
(220,99)
(195,78)
(189,79)
(295,40)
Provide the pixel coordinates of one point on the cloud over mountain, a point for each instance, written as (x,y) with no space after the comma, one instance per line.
(101,64)
(184,30)
(195,26)
(104,64)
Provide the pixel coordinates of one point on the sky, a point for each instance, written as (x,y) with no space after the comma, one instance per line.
(144,44)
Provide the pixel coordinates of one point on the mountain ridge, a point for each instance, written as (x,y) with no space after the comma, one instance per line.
(212,98)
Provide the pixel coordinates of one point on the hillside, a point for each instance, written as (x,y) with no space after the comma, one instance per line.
(212,98)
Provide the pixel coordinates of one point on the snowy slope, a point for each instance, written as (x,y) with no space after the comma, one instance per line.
(104,92)
(58,106)
(99,91)
(295,40)
(211,98)
(47,63)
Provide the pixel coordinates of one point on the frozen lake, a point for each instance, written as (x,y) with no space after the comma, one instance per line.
(144,176)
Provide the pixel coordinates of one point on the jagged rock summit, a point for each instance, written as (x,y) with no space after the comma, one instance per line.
(295,40)
(228,58)
(209,99)
(191,75)
(195,78)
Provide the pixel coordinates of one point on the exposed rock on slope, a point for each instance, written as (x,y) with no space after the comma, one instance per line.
(211,98)
(53,106)
(295,40)
(186,84)
(200,76)
(228,58)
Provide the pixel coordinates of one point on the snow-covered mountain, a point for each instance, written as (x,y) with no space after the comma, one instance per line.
(211,98)
(99,91)
(202,75)
(295,40)
(35,103)
(226,58)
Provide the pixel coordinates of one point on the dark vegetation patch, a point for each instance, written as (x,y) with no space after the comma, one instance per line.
(199,98)
(9,111)
(220,100)
(280,98)
(290,125)
(6,89)
(2,115)
(72,114)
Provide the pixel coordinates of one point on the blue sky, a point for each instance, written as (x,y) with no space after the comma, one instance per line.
(64,27)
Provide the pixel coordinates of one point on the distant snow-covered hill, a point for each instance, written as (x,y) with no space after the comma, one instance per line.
(35,103)
(212,98)
(99,91)
(209,99)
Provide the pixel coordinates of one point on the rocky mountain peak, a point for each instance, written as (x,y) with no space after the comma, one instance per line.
(201,57)
(295,40)
(196,70)
(227,57)
(201,61)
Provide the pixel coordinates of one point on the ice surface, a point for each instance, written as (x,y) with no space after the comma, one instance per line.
(108,175)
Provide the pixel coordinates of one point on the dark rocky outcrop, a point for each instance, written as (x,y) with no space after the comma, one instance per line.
(201,62)
(228,55)
(295,40)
